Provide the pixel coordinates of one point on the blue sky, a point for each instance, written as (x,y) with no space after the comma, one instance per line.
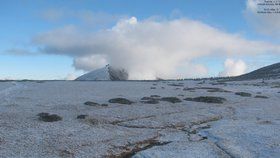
(21,21)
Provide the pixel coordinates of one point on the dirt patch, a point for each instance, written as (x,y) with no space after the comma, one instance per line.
(261,96)
(155,96)
(121,101)
(46,117)
(207,99)
(243,94)
(82,116)
(171,99)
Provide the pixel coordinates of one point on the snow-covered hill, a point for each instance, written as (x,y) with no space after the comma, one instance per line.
(267,72)
(105,73)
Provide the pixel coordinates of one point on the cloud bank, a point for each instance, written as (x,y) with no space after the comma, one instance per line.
(149,48)
(233,68)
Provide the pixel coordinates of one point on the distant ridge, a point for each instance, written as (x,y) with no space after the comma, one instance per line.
(267,72)
(107,73)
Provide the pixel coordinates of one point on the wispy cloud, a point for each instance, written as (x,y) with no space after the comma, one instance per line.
(19,52)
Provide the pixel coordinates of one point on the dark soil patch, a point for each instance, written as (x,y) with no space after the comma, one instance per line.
(149,100)
(261,96)
(207,99)
(155,96)
(46,117)
(171,99)
(188,89)
(82,116)
(120,101)
(243,94)
(90,103)
(153,88)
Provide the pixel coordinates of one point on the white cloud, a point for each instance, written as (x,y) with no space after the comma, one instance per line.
(268,24)
(89,63)
(233,68)
(149,48)
(70,76)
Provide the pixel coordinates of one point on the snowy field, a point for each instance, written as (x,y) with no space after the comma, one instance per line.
(155,127)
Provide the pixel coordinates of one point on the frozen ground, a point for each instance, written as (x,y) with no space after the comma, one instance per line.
(239,127)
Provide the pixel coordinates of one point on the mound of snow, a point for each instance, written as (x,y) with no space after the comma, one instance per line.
(106,73)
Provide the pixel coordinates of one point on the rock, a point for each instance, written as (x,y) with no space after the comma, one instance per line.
(155,96)
(149,100)
(261,96)
(46,117)
(171,99)
(243,94)
(120,101)
(153,87)
(146,98)
(90,103)
(82,116)
(207,99)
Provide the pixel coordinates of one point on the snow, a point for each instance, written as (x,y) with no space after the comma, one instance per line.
(241,127)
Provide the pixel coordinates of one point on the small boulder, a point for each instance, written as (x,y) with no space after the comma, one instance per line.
(261,96)
(120,101)
(82,116)
(171,99)
(90,103)
(46,117)
(243,94)
(155,96)
(149,100)
(207,99)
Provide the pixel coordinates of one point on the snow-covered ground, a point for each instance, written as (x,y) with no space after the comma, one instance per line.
(239,127)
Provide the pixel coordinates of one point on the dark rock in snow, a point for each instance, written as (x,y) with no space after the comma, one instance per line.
(261,96)
(120,101)
(90,103)
(171,99)
(243,94)
(207,99)
(46,117)
(149,100)
(82,116)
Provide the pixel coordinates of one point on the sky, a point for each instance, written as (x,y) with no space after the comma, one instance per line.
(50,39)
